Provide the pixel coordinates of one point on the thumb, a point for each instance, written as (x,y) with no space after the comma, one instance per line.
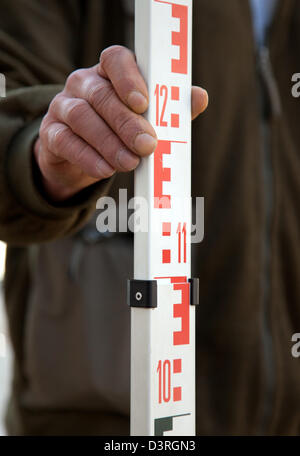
(199,101)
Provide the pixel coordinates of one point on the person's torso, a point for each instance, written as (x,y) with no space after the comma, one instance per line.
(76,338)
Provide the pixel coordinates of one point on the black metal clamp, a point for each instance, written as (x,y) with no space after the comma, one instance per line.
(143,293)
(194,292)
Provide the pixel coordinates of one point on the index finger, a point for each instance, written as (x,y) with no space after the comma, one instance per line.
(118,64)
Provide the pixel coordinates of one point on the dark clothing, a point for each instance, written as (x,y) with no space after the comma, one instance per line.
(62,306)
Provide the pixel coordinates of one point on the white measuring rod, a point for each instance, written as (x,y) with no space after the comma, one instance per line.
(161,296)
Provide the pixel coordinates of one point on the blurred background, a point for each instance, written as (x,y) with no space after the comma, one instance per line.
(5,352)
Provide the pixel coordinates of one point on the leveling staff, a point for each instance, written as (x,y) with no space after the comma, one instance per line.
(64,132)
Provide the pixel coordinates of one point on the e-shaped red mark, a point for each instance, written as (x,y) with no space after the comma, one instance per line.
(182,310)
(181,39)
(161,175)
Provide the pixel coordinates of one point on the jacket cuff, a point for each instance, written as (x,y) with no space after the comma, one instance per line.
(25,180)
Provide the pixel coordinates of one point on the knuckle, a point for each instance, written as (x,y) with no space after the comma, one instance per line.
(78,154)
(75,110)
(126,125)
(55,104)
(107,142)
(111,51)
(101,95)
(58,140)
(43,132)
(75,78)
(110,146)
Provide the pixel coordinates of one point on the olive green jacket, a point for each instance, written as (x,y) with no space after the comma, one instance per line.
(68,322)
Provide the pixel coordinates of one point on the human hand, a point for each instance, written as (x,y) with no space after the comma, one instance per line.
(95,127)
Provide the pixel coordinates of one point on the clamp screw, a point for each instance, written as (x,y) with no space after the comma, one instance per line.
(138,296)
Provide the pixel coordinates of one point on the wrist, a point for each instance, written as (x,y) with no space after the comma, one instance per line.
(54,191)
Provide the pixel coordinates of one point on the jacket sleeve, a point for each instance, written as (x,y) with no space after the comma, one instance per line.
(39,44)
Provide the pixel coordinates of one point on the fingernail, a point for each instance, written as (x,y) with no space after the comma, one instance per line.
(137,101)
(145,144)
(207,96)
(127,160)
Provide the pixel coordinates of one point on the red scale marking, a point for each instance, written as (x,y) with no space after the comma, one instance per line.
(181,39)
(175,93)
(173,279)
(175,120)
(161,175)
(166,256)
(166,229)
(177,396)
(177,366)
(180,310)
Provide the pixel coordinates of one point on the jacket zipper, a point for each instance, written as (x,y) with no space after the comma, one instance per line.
(271,108)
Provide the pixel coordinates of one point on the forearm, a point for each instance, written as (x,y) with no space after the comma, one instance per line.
(26,215)
(36,55)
